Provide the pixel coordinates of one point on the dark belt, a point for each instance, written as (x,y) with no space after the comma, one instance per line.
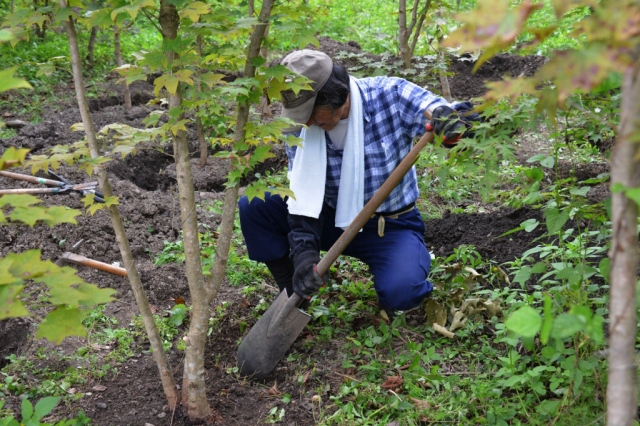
(391,215)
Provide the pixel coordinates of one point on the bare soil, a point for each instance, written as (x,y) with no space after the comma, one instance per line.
(146,186)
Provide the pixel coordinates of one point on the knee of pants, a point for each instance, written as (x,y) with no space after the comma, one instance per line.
(405,288)
(404,296)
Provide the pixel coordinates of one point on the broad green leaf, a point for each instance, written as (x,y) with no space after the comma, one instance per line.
(28,265)
(547,322)
(566,325)
(30,215)
(83,295)
(98,18)
(525,321)
(523,275)
(548,162)
(581,192)
(9,82)
(556,219)
(534,173)
(46,69)
(45,406)
(77,127)
(133,8)
(26,410)
(19,200)
(212,79)
(530,224)
(62,322)
(605,269)
(194,10)
(5,35)
(168,81)
(61,214)
(12,157)
(10,305)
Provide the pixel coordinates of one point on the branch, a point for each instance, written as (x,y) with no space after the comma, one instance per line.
(149,16)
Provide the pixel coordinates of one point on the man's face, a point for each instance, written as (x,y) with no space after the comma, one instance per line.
(326,118)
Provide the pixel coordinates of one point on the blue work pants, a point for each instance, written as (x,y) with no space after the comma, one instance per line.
(399,261)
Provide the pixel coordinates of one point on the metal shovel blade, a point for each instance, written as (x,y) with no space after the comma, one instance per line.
(271,337)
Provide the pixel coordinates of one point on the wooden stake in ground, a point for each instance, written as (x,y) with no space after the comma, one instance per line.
(160,357)
(622,385)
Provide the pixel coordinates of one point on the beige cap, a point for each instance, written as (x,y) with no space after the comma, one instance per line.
(316,66)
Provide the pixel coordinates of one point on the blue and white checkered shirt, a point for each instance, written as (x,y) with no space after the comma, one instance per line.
(393,111)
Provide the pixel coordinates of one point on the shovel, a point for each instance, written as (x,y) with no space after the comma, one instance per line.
(274,333)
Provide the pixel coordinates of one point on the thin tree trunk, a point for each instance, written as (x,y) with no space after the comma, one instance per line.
(13,6)
(202,142)
(92,46)
(444,81)
(219,267)
(625,169)
(118,55)
(194,395)
(168,382)
(403,34)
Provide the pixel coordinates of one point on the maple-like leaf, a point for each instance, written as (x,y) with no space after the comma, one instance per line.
(62,322)
(28,265)
(194,10)
(10,304)
(61,214)
(30,215)
(9,82)
(19,200)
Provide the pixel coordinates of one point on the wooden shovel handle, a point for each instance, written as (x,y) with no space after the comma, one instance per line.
(370,208)
(84,261)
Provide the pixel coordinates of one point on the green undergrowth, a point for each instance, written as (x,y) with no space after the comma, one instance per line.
(68,372)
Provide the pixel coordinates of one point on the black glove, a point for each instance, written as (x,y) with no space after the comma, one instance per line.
(306,280)
(452,124)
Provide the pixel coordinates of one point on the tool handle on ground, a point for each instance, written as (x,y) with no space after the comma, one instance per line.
(84,261)
(34,191)
(32,179)
(370,208)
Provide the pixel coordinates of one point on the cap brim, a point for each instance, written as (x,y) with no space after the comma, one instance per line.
(299,114)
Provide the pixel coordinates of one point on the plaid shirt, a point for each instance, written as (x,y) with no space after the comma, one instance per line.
(393,111)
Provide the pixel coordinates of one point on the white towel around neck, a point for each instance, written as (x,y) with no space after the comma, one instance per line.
(308,177)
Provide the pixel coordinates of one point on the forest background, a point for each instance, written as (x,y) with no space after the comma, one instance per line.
(174,102)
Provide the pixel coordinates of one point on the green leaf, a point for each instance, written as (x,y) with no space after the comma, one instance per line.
(28,264)
(548,162)
(194,10)
(10,305)
(62,322)
(547,322)
(45,406)
(566,325)
(19,200)
(26,410)
(61,214)
(212,79)
(556,219)
(9,82)
(523,275)
(30,215)
(133,8)
(525,321)
(530,224)
(581,192)
(534,173)
(605,269)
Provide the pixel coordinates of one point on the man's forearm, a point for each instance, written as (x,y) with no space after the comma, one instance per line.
(304,235)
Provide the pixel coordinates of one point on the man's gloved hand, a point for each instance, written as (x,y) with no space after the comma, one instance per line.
(452,124)
(306,280)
